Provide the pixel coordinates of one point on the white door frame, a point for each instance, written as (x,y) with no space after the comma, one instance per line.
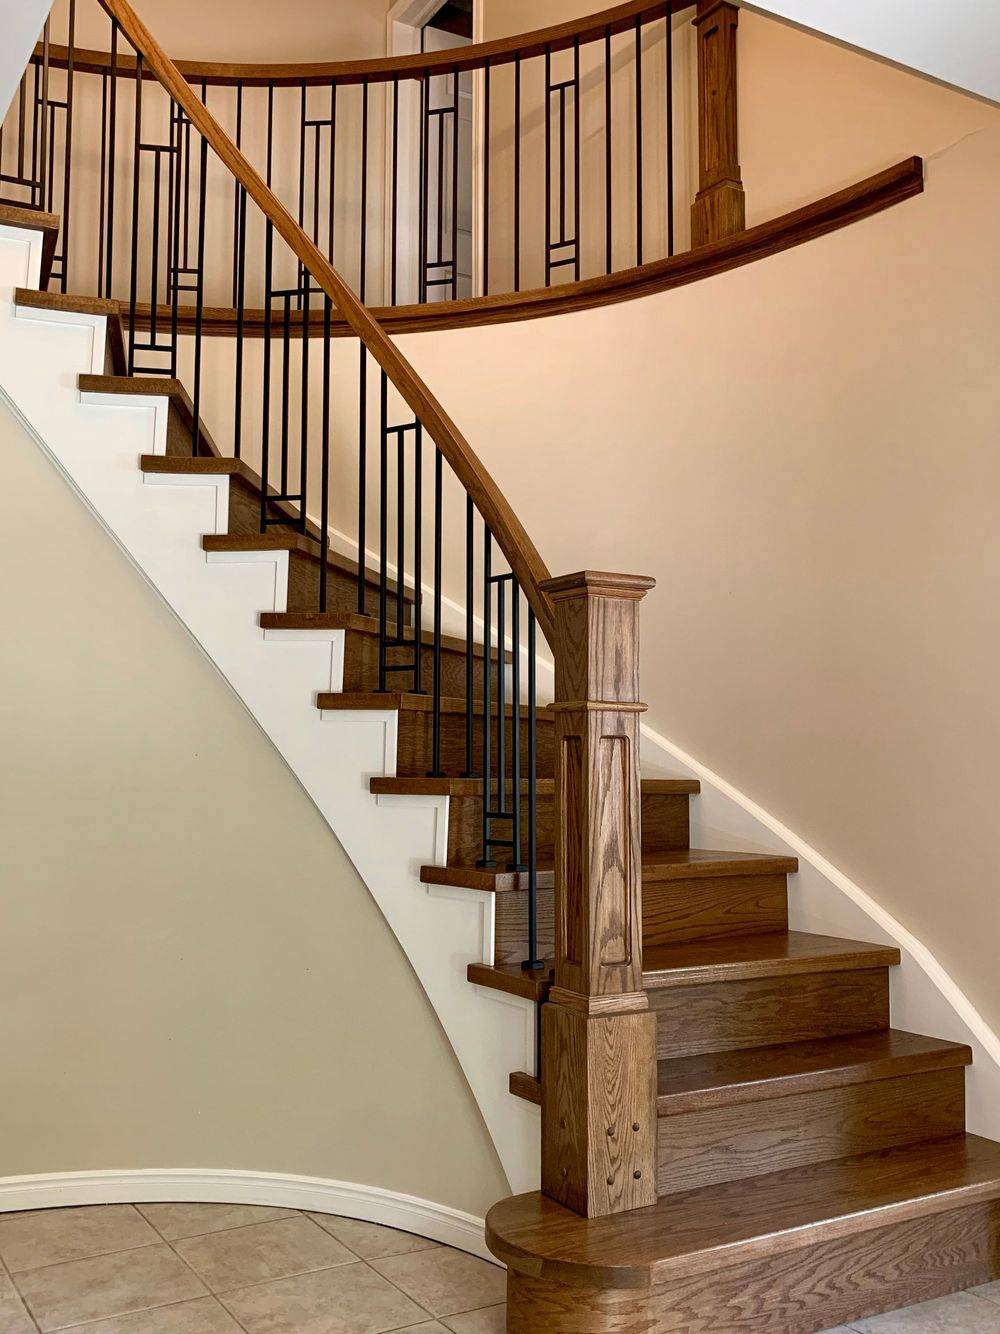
(404,23)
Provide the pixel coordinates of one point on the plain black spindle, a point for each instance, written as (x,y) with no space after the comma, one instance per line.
(383,528)
(199,313)
(436,771)
(486,861)
(669,43)
(241,283)
(362,474)
(470,624)
(515,863)
(362,282)
(304,427)
(548,166)
(608,181)
(487,153)
(136,181)
(394,283)
(265,432)
(454,189)
(638,141)
(532,962)
(418,553)
(517,173)
(67,210)
(324,499)
(577,156)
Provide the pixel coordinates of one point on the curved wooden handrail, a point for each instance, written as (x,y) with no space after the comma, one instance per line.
(503,51)
(861,200)
(526,564)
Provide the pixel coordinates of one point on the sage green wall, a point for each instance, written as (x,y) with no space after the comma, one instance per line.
(192,973)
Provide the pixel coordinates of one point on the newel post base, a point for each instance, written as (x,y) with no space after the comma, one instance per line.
(598,1034)
(719,209)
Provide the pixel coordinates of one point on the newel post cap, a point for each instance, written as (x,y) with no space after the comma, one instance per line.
(598,584)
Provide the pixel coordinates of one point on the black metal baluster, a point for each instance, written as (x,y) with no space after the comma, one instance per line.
(638,141)
(136,174)
(67,200)
(548,166)
(286,323)
(265,435)
(324,501)
(241,284)
(400,434)
(608,180)
(199,313)
(501,809)
(517,173)
(470,645)
(362,475)
(364,191)
(577,232)
(42,106)
(383,540)
(486,861)
(237,188)
(333,171)
(112,159)
(393,291)
(669,43)
(270,131)
(487,153)
(422,226)
(304,427)
(515,863)
(436,771)
(532,962)
(418,548)
(456,104)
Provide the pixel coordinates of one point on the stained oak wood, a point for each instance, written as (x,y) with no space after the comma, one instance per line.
(748,1140)
(719,209)
(840,1281)
(729,1078)
(861,200)
(557,37)
(703,1231)
(765,1011)
(743,958)
(510,535)
(35,220)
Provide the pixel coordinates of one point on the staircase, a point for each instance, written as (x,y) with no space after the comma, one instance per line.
(803,1163)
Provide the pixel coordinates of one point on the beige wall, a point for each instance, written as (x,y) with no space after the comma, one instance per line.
(191,972)
(804,453)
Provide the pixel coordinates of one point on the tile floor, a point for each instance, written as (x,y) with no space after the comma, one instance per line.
(236,1269)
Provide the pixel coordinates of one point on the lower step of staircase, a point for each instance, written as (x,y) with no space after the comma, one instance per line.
(793,1252)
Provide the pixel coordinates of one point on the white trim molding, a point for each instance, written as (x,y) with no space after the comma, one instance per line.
(183,1185)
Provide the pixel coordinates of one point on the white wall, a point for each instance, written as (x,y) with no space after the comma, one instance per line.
(955,41)
(20,23)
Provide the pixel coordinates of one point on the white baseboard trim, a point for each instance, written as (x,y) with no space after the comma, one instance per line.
(372,1204)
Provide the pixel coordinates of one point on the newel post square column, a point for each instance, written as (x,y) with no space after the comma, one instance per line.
(719,209)
(598,1033)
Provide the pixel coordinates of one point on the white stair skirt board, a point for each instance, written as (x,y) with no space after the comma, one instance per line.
(160,522)
(408,1213)
(388,839)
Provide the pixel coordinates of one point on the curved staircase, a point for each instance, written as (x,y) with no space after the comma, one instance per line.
(757,1148)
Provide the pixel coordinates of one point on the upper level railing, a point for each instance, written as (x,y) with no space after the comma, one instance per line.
(499,167)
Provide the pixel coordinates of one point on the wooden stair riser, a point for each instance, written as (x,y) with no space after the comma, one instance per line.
(414,752)
(361,664)
(672,910)
(742,1140)
(803,1291)
(763,1012)
(665,825)
(712,906)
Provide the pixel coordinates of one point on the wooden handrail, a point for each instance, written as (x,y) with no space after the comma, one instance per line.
(557,37)
(526,564)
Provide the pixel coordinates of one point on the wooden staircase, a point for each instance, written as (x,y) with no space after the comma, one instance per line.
(747,1143)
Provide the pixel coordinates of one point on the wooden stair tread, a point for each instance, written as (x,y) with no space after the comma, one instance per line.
(756,1074)
(286,541)
(473,787)
(403,701)
(690,1083)
(366,625)
(774,954)
(512,979)
(721,1225)
(657,866)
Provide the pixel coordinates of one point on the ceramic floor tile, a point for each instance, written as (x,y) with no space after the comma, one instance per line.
(370,1240)
(961,1313)
(194,1220)
(991,1292)
(203,1316)
(446,1282)
(57,1235)
(352,1299)
(107,1285)
(14,1319)
(262,1252)
(491,1320)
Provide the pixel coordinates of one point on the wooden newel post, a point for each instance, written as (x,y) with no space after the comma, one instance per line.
(719,209)
(598,1033)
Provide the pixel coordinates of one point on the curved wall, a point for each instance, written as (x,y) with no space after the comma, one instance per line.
(192,974)
(803,452)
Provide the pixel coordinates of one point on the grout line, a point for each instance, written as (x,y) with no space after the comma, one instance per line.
(220,1231)
(386,1279)
(17,1294)
(164,1306)
(79,1259)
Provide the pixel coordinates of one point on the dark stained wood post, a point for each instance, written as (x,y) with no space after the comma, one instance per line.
(598,1033)
(719,209)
